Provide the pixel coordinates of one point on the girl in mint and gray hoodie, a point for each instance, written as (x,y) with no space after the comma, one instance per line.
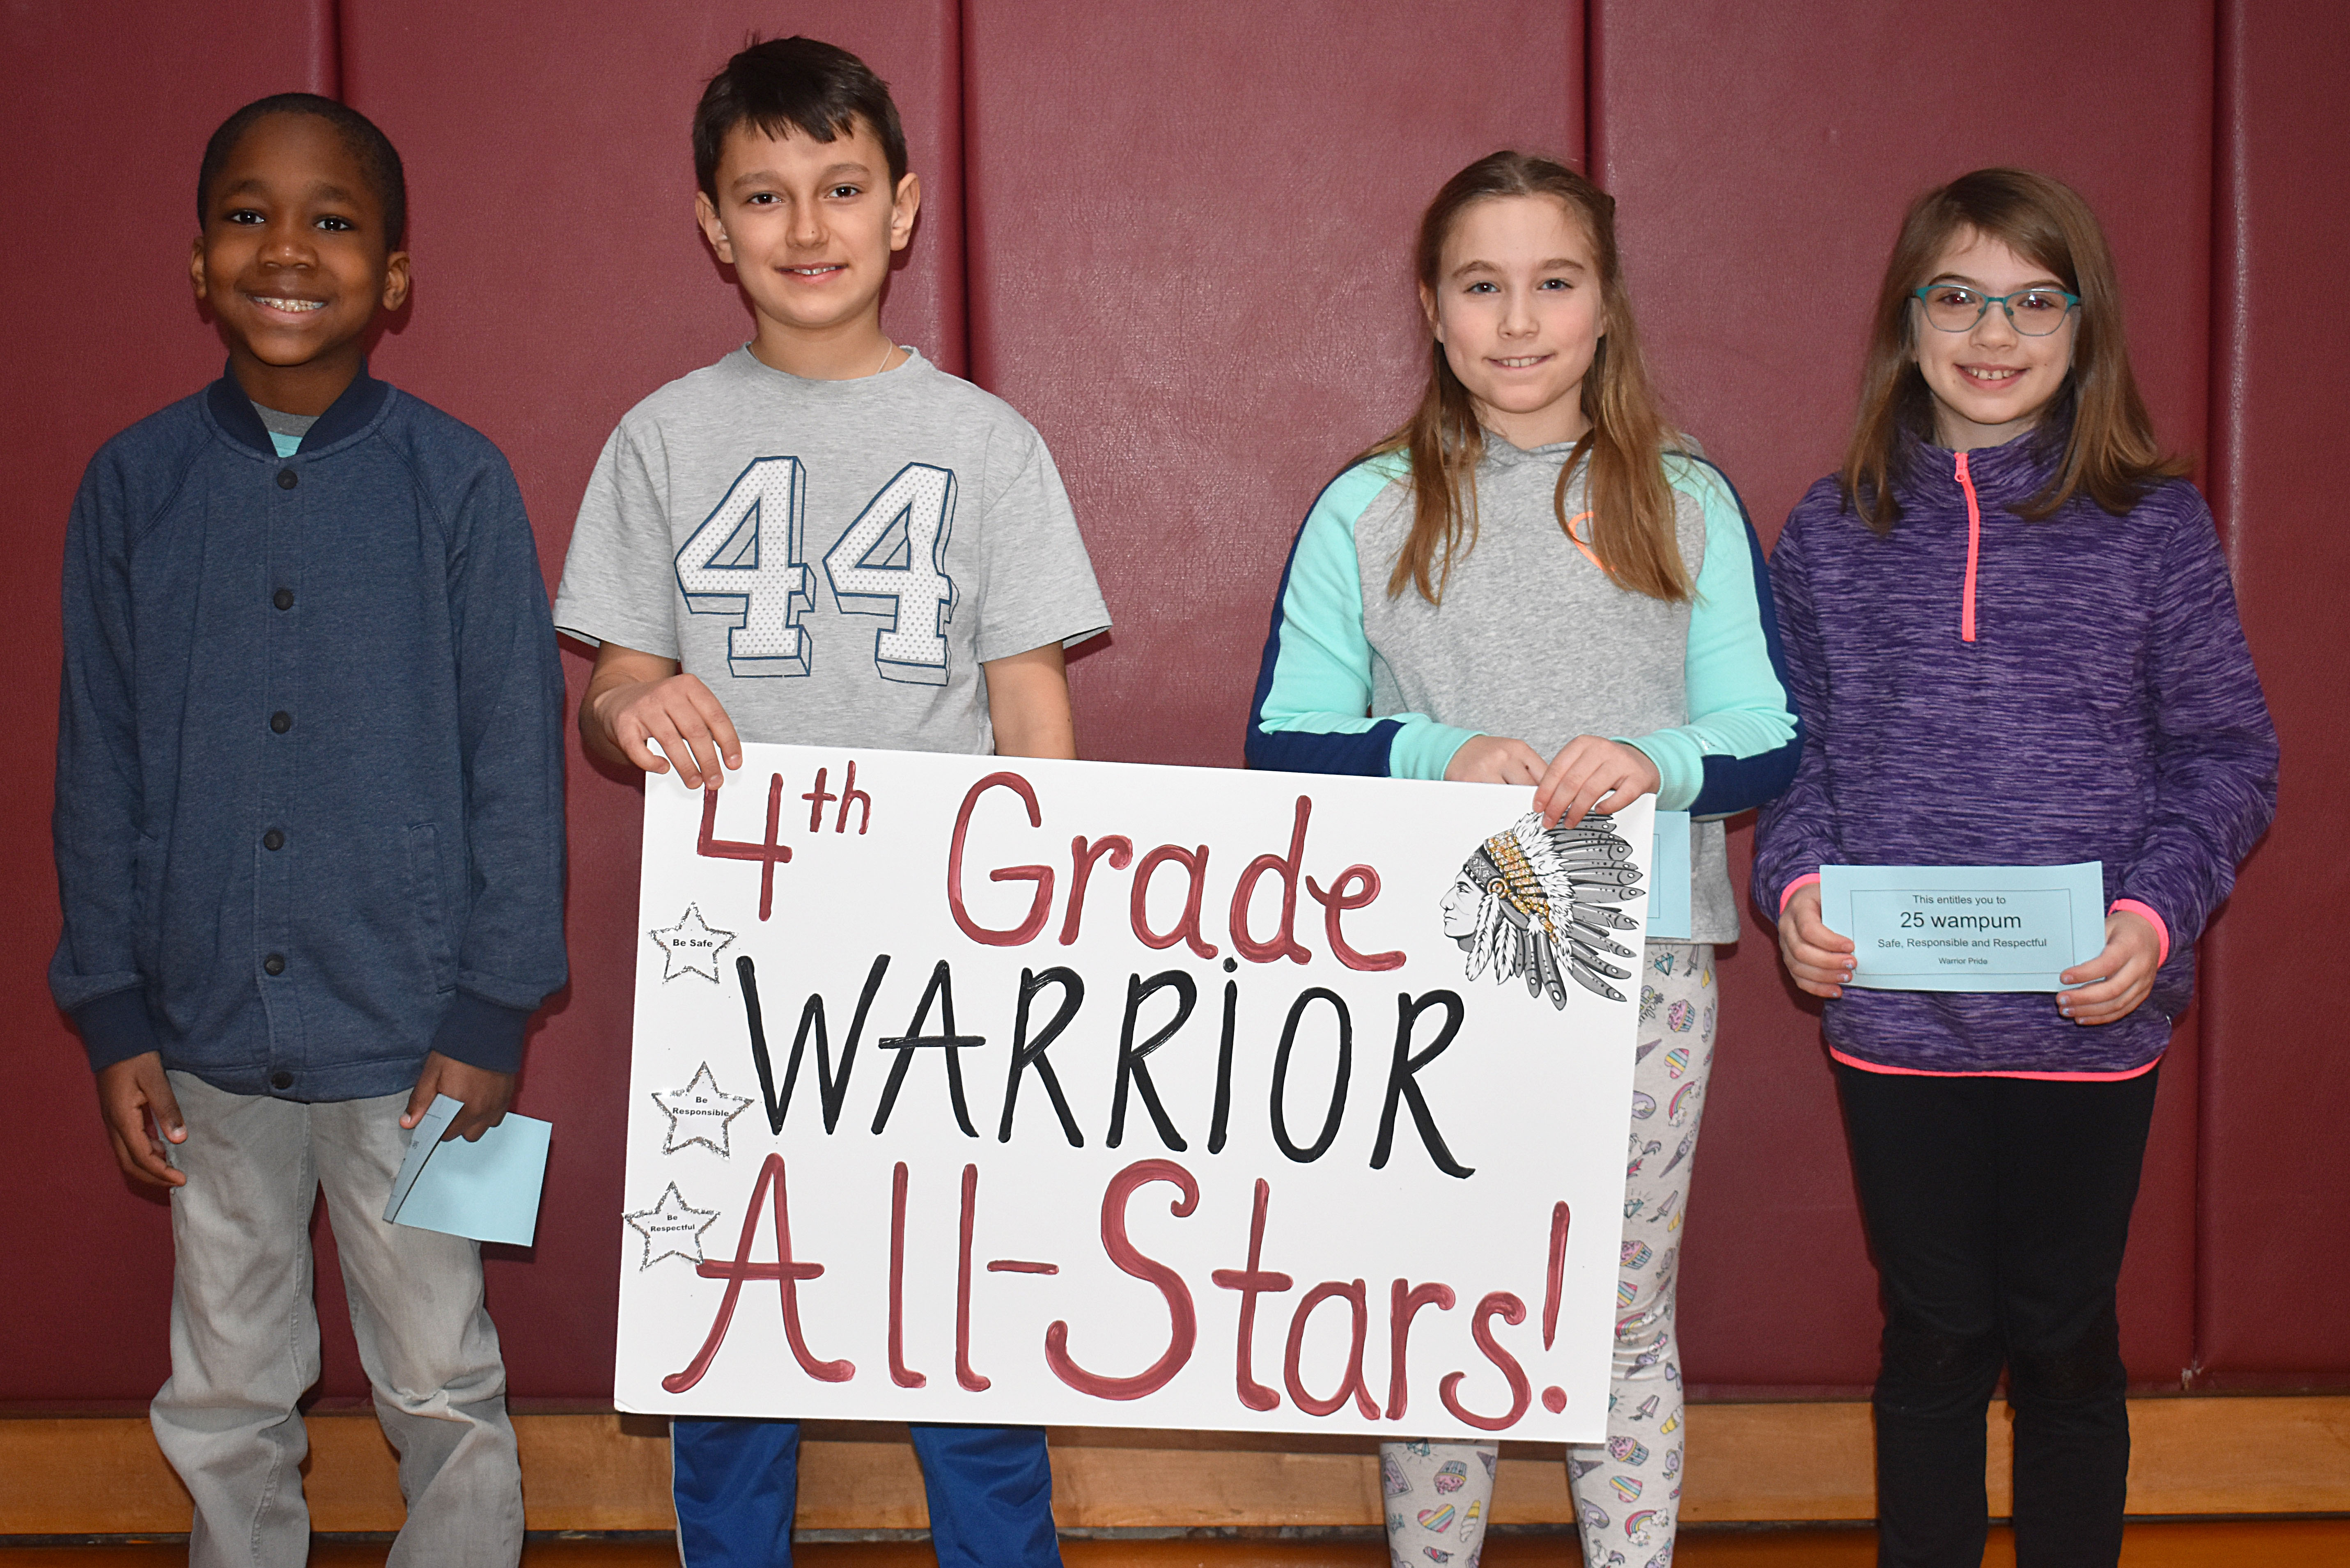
(2013,641)
(1531,584)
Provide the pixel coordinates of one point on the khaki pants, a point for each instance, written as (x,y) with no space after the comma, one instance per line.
(244,1336)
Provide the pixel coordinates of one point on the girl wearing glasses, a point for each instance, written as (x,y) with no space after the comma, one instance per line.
(1535,564)
(2013,641)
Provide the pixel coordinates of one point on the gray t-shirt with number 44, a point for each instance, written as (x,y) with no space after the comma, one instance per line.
(835,559)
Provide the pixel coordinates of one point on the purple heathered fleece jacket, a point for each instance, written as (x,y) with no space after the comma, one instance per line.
(2105,709)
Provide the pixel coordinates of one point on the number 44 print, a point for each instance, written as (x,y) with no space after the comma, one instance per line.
(890,563)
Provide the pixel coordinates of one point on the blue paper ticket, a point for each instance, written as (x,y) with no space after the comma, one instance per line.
(1668,880)
(1966,928)
(487,1189)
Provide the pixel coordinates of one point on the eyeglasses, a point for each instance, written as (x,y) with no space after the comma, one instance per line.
(2034,312)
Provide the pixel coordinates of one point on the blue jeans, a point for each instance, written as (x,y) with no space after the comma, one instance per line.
(736,1483)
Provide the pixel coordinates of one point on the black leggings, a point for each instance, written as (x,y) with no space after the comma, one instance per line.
(1997,1210)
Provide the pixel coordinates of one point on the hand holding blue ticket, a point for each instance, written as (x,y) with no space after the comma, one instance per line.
(1966,928)
(486,1190)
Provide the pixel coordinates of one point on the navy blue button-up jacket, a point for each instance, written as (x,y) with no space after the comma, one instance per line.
(309,801)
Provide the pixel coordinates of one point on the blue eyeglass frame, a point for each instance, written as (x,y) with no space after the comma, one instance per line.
(2072,304)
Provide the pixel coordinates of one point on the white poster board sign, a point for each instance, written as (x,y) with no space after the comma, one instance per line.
(991,1090)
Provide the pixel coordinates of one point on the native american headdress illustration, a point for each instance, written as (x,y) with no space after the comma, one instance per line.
(1545,903)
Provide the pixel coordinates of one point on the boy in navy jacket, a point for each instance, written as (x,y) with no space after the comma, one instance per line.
(309,833)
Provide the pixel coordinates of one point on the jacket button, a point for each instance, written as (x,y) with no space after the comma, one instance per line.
(281,721)
(281,1080)
(274,963)
(273,839)
(288,479)
(283,599)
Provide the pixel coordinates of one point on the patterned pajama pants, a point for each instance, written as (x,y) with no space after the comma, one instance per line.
(1626,1490)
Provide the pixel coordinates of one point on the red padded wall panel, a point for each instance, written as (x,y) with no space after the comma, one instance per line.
(1761,156)
(104,108)
(1190,267)
(1775,148)
(1188,237)
(2273,1269)
(560,278)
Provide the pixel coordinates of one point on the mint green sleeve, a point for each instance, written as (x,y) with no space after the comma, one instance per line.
(1312,708)
(1740,746)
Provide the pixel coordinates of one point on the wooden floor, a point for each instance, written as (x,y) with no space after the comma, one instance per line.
(2299,1543)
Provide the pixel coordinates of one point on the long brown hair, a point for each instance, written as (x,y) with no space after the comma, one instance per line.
(2110,449)
(1632,531)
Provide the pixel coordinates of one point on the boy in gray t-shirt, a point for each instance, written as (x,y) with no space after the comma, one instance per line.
(829,562)
(825,539)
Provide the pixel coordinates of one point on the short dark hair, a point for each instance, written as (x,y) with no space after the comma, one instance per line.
(785,85)
(377,157)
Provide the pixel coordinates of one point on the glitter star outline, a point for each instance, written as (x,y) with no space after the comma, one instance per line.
(666,1222)
(690,944)
(701,1112)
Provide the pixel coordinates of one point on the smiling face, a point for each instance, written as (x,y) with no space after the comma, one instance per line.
(1990,383)
(808,227)
(1517,306)
(294,263)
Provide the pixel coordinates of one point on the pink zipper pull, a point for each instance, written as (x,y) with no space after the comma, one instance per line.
(1974,549)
